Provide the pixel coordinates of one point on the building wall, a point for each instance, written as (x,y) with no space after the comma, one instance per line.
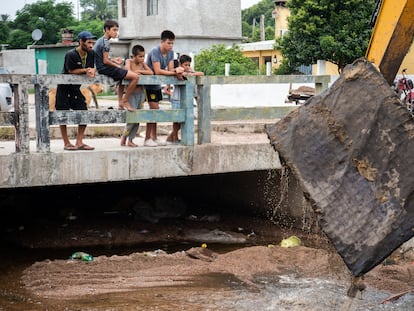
(20,61)
(196,24)
(266,53)
(281,15)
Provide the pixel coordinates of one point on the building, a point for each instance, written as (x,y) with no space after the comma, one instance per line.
(197,24)
(263,52)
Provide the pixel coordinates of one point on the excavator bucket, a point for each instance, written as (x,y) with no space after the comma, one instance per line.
(352,149)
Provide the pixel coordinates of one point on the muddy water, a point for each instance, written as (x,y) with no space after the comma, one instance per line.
(30,235)
(211,291)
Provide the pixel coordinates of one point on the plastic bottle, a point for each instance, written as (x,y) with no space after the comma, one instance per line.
(82,256)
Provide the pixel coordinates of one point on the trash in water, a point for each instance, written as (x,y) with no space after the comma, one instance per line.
(82,256)
(291,242)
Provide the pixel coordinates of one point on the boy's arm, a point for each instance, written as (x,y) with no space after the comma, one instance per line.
(191,72)
(73,67)
(178,72)
(113,62)
(128,64)
(162,72)
(146,71)
(90,72)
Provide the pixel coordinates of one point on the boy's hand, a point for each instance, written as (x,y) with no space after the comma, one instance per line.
(91,72)
(180,76)
(179,70)
(118,60)
(167,90)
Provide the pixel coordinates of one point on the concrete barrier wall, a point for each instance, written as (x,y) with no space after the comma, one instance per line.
(20,61)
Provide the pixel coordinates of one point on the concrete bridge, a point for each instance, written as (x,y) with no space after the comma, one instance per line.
(237,147)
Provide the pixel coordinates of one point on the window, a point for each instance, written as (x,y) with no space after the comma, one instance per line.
(124,8)
(152,7)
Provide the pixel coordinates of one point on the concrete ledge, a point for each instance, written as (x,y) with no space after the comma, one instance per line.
(78,167)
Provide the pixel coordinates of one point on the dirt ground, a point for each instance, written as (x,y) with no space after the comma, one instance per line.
(55,278)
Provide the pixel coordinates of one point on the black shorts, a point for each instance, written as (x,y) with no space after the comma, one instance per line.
(153,95)
(70,97)
(115,73)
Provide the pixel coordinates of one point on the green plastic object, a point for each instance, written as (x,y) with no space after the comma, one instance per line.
(82,256)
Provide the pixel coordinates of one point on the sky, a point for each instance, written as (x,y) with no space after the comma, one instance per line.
(10,7)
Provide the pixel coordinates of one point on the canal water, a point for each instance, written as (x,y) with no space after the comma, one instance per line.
(42,227)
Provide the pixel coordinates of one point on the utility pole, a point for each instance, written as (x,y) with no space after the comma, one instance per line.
(253,27)
(262,32)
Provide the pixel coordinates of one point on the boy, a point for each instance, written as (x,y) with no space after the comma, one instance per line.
(138,65)
(112,67)
(184,62)
(79,60)
(161,60)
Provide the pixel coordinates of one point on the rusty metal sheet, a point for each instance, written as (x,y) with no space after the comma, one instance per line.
(352,149)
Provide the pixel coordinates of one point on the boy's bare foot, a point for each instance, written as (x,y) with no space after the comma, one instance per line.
(125,105)
(131,144)
(123,140)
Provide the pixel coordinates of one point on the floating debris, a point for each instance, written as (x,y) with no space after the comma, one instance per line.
(291,242)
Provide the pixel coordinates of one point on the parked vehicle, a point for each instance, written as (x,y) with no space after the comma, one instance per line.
(6,93)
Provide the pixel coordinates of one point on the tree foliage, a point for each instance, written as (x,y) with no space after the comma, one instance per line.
(94,26)
(4,28)
(47,16)
(51,18)
(331,30)
(212,61)
(99,9)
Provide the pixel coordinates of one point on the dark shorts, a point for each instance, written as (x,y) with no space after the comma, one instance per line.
(70,97)
(114,72)
(153,95)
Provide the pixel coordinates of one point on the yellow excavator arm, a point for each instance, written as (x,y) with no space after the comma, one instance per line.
(392,36)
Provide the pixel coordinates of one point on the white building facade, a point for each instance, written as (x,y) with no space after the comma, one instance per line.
(197,24)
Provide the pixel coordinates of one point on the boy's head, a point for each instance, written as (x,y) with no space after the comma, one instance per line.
(138,53)
(167,41)
(109,23)
(136,49)
(167,35)
(185,62)
(184,59)
(111,28)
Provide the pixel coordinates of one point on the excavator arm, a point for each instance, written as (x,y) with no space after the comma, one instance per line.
(392,36)
(351,149)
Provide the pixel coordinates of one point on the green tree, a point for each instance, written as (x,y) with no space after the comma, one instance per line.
(99,9)
(331,30)
(4,28)
(264,7)
(47,16)
(94,26)
(269,34)
(212,61)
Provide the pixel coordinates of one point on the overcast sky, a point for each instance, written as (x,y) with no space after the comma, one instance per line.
(10,7)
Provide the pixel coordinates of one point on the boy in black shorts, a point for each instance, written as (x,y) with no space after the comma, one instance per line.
(112,67)
(161,61)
